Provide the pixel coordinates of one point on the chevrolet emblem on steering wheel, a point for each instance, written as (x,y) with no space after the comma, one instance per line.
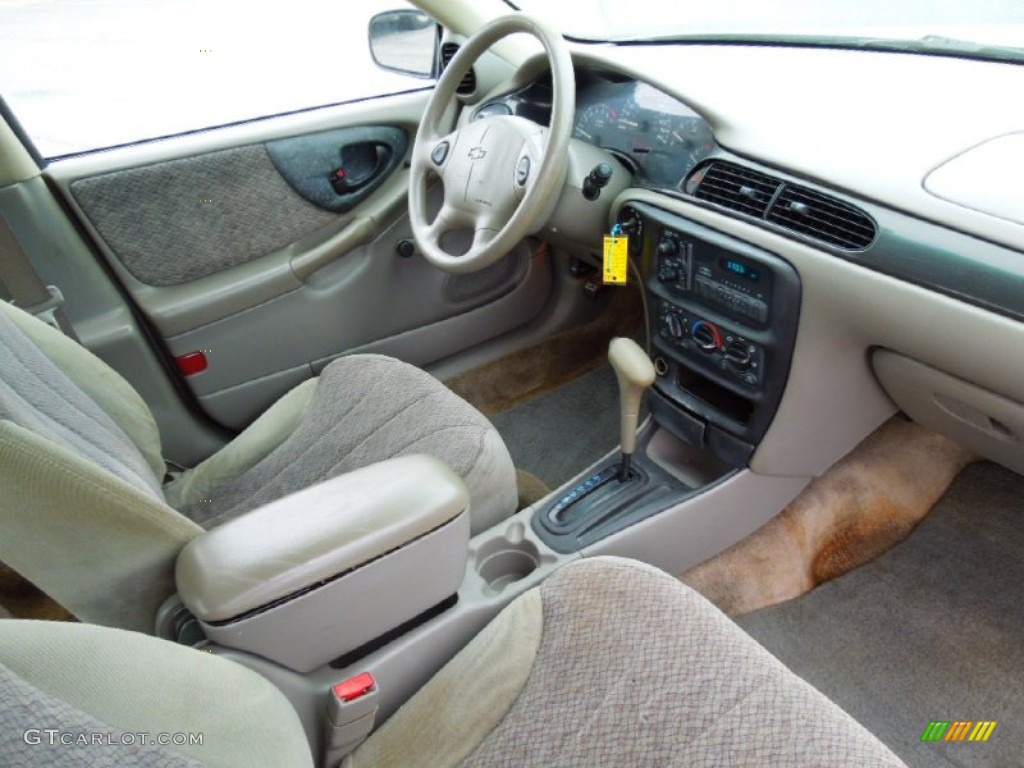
(477,153)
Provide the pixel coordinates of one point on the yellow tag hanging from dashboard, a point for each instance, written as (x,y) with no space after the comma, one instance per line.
(616,258)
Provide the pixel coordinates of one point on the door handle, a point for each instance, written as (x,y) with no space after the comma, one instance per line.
(368,155)
(361,163)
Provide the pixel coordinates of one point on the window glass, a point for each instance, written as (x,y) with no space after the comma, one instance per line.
(87,74)
(982,28)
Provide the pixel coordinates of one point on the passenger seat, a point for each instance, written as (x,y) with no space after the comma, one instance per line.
(608,662)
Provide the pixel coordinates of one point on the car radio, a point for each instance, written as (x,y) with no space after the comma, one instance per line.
(714,276)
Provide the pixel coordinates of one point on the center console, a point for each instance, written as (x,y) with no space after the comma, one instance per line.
(723,317)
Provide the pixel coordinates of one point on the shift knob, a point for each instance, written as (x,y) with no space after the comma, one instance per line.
(635,373)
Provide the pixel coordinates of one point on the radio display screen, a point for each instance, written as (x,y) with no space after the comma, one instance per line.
(737,267)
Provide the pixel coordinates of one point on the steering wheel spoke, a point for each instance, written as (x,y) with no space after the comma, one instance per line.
(448,218)
(488,187)
(482,236)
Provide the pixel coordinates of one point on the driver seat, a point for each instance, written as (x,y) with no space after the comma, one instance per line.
(86,515)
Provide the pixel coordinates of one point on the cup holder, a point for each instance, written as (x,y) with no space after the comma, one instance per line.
(503,561)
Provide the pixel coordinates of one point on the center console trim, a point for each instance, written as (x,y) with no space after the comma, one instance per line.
(698,315)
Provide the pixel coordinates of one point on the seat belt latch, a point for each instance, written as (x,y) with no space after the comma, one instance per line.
(46,310)
(351,712)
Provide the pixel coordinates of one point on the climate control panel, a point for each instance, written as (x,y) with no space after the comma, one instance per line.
(729,351)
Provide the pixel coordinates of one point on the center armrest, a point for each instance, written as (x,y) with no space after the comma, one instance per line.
(399,528)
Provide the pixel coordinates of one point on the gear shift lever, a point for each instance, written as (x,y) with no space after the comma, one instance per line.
(635,373)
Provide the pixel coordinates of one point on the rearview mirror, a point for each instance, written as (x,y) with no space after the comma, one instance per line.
(404,41)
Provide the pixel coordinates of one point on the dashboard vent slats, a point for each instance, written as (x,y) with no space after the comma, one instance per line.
(824,218)
(468,83)
(740,189)
(789,206)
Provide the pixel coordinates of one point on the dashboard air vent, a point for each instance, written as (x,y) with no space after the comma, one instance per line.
(735,187)
(468,84)
(789,206)
(824,218)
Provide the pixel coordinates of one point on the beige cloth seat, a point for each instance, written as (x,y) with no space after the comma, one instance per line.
(609,662)
(84,512)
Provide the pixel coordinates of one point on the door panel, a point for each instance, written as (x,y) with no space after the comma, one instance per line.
(177,221)
(240,244)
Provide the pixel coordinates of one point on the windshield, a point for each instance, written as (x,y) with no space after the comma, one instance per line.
(983,28)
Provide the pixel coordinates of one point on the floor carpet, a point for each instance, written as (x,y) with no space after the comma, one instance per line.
(558,434)
(932,630)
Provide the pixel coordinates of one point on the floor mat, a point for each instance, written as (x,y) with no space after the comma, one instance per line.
(867,502)
(558,434)
(552,363)
(931,631)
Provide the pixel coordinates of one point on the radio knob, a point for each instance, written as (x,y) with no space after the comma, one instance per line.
(668,275)
(667,247)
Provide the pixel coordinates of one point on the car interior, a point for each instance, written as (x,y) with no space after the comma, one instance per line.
(640,402)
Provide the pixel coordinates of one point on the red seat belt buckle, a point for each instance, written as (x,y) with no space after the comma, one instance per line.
(355,687)
(191,363)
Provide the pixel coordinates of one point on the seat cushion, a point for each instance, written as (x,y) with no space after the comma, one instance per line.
(83,679)
(365,409)
(632,668)
(30,716)
(81,508)
(47,399)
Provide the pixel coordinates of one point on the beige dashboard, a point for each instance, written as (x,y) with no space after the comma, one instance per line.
(874,124)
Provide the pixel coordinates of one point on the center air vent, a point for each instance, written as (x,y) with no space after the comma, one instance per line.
(792,207)
(821,217)
(468,84)
(735,187)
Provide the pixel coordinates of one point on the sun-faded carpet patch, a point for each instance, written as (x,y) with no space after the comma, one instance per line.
(870,500)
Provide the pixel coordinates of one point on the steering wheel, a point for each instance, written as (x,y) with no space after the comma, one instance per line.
(502,176)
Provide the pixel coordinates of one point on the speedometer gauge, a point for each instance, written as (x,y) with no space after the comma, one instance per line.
(670,131)
(594,122)
(630,119)
(685,138)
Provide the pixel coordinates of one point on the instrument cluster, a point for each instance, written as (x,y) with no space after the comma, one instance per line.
(656,134)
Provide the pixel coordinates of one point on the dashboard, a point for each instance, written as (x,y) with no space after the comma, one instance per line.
(659,137)
(790,230)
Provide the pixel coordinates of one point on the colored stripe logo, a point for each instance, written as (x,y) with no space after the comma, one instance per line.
(958,730)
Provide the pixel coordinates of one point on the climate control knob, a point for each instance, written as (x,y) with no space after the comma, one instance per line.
(667,247)
(707,336)
(739,356)
(675,325)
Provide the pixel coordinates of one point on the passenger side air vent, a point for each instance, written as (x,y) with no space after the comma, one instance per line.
(789,206)
(824,218)
(468,84)
(735,187)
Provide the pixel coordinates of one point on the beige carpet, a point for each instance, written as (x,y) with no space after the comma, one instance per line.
(552,363)
(530,487)
(867,502)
